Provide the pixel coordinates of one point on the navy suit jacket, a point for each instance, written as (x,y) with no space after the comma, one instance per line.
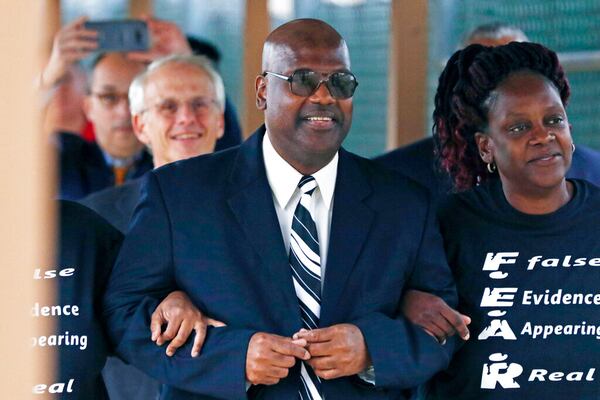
(208,226)
(116,204)
(417,161)
(585,165)
(232,135)
(83,169)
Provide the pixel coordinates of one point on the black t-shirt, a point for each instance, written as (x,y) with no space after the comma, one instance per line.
(531,284)
(87,247)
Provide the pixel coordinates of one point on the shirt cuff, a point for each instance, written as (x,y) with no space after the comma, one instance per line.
(368,375)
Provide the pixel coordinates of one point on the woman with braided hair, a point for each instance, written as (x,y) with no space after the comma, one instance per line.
(522,240)
(466,93)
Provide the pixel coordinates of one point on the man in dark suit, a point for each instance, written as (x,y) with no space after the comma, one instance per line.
(234,229)
(116,155)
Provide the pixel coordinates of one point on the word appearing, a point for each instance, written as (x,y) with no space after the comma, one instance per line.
(544,331)
(61,340)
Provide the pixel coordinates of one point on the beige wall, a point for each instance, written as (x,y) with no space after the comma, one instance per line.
(407,72)
(138,8)
(25,206)
(256,29)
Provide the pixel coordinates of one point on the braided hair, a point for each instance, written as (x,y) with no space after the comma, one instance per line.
(461,102)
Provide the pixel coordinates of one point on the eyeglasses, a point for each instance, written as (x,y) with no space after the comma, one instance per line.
(304,82)
(110,100)
(168,108)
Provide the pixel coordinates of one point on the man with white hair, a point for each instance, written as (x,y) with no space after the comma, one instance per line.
(177,112)
(177,108)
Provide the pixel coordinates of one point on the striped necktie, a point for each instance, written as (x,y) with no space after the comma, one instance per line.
(305,262)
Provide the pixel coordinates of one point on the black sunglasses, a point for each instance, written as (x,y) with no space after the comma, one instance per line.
(304,82)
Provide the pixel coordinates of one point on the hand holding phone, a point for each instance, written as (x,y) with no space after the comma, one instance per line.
(120,35)
(73,42)
(166,38)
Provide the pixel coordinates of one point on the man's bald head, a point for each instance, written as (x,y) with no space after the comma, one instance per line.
(495,34)
(294,36)
(306,129)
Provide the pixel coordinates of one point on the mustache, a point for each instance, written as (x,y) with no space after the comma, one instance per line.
(330,111)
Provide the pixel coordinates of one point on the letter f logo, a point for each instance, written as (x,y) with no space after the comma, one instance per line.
(493,261)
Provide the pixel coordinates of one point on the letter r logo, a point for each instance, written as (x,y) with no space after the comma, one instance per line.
(500,372)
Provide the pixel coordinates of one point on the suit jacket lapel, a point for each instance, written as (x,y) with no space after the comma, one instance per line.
(350,225)
(251,202)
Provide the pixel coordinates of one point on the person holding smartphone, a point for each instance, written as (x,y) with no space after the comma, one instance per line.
(116,155)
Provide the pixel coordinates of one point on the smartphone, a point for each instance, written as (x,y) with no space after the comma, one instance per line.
(121,35)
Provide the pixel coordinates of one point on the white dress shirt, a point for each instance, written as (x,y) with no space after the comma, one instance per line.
(283,179)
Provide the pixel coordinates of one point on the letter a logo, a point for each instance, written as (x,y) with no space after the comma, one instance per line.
(497,328)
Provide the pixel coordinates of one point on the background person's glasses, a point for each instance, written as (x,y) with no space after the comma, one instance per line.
(168,108)
(110,100)
(304,82)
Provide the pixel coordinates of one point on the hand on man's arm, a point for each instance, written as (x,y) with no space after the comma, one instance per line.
(181,317)
(435,316)
(143,274)
(404,355)
(336,351)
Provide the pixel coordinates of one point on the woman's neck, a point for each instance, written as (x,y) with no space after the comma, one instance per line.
(539,201)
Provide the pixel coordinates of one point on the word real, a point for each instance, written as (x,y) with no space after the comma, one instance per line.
(500,373)
(58,387)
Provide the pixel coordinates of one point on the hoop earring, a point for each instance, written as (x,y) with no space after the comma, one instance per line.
(573,147)
(491,167)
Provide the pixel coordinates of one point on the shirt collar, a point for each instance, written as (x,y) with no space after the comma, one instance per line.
(283,178)
(121,162)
